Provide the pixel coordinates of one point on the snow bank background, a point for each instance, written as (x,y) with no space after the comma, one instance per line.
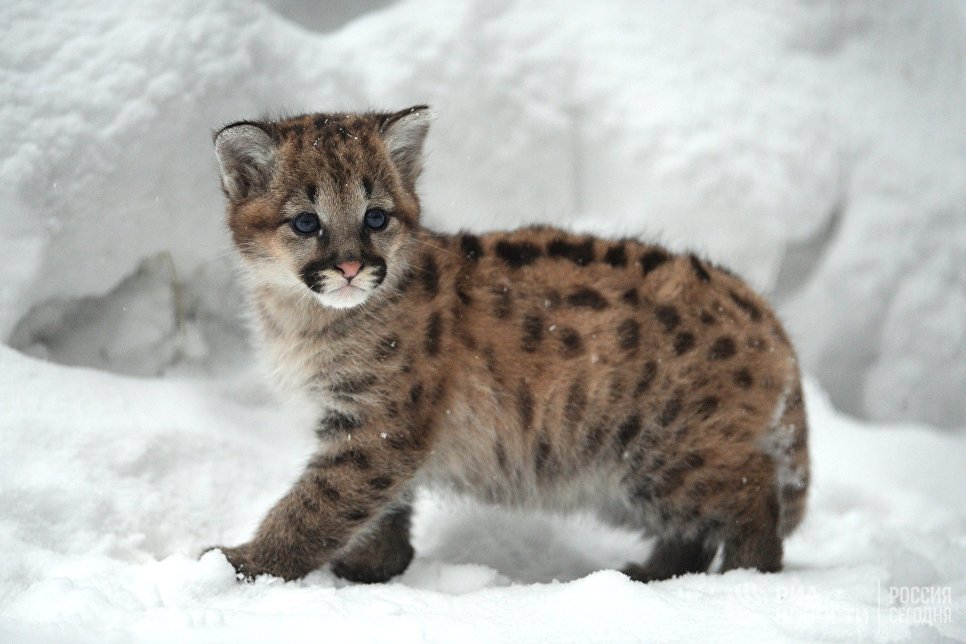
(817,147)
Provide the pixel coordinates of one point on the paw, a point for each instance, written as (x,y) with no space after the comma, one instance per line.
(240,558)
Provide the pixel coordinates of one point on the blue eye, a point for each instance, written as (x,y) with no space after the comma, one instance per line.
(306,223)
(376,219)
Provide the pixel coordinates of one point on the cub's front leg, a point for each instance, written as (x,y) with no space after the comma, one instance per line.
(348,488)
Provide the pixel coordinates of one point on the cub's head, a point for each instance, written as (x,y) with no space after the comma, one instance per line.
(325,204)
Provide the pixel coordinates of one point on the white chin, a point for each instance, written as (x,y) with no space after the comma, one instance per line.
(343,298)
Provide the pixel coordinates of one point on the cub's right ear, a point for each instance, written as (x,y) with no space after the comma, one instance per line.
(246,155)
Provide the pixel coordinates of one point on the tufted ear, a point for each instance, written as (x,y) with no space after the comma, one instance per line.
(404,133)
(246,156)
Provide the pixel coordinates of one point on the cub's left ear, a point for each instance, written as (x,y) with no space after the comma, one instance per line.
(404,134)
(246,156)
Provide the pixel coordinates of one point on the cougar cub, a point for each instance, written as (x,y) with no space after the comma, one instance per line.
(531,368)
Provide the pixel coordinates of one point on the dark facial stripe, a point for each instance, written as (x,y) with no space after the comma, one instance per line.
(311,191)
(746,305)
(580,253)
(699,269)
(587,297)
(517,254)
(652,259)
(532,332)
(616,255)
(722,348)
(629,335)
(667,316)
(367,187)
(310,272)
(471,247)
(434,331)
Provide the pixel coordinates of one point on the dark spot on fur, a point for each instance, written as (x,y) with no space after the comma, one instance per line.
(671,410)
(532,332)
(629,335)
(722,348)
(707,407)
(429,275)
(525,405)
(517,254)
(667,316)
(434,332)
(352,456)
(616,255)
(630,297)
(356,514)
(570,339)
(580,253)
(471,247)
(587,297)
(699,269)
(503,302)
(707,319)
(628,431)
(386,348)
(746,305)
(648,373)
(652,259)
(542,456)
(500,452)
(683,342)
(336,423)
(380,483)
(743,378)
(415,394)
(693,459)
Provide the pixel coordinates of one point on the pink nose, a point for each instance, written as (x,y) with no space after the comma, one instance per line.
(349,269)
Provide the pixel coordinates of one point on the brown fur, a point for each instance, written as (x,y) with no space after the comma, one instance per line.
(534,367)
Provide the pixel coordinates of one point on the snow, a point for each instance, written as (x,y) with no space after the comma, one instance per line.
(819,148)
(113,484)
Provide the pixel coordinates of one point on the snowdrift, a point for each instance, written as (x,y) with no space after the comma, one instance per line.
(818,148)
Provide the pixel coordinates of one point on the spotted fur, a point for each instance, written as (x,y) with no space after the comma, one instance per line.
(530,368)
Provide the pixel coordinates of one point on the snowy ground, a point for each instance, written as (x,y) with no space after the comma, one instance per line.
(112,485)
(817,147)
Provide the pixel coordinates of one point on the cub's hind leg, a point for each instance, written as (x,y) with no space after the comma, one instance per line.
(755,541)
(379,555)
(673,556)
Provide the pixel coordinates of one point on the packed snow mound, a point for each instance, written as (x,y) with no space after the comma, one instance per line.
(112,485)
(818,148)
